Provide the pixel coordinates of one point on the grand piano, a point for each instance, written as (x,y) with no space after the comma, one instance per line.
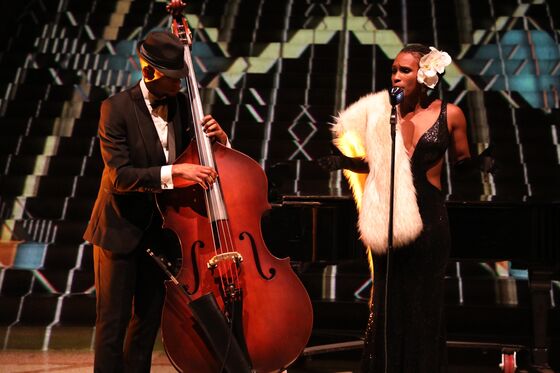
(523,233)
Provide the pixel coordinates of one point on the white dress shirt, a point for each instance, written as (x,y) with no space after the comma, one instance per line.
(159,117)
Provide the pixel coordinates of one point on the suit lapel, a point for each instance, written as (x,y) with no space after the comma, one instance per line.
(182,120)
(147,129)
(177,128)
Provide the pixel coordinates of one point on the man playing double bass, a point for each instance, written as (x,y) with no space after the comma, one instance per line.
(141,131)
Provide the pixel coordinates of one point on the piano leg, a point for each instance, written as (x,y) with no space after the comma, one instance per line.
(540,284)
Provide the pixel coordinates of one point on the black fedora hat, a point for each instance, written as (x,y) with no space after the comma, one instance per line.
(165,52)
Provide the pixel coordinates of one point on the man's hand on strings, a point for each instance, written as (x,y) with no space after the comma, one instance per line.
(182,173)
(213,130)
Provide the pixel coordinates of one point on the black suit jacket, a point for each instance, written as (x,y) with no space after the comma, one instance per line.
(133,156)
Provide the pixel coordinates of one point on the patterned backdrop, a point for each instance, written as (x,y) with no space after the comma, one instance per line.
(274,74)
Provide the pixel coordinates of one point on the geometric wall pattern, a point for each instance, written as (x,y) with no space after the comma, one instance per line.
(273,73)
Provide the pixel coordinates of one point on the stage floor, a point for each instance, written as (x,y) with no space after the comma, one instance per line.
(67,361)
(81,361)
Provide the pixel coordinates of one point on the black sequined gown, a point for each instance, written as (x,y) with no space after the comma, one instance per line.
(415,304)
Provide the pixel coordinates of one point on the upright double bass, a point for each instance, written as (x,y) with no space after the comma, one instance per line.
(232,306)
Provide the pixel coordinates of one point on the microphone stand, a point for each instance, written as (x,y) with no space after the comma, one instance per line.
(393,122)
(396,95)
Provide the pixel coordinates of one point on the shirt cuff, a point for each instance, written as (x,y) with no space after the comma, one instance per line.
(166,178)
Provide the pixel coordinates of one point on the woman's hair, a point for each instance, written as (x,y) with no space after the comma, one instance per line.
(418,49)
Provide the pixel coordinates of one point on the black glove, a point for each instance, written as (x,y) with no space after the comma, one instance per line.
(337,162)
(484,162)
(331,162)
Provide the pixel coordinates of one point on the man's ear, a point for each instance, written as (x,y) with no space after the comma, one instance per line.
(148,72)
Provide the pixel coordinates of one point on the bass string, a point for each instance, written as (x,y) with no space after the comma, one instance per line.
(206,158)
(232,273)
(223,243)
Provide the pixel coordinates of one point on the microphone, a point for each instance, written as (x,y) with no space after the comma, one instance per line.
(396,95)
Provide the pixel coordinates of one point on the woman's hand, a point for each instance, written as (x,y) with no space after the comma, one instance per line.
(213,130)
(337,162)
(330,162)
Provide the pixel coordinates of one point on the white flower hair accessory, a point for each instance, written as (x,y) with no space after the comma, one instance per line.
(432,64)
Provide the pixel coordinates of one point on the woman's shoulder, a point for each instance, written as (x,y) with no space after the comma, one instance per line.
(455,115)
(372,99)
(370,102)
(454,110)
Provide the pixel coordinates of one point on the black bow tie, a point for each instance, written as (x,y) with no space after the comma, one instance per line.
(160,102)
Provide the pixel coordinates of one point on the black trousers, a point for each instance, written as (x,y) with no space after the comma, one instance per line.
(130,295)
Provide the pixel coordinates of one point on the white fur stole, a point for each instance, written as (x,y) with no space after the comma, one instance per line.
(368,119)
